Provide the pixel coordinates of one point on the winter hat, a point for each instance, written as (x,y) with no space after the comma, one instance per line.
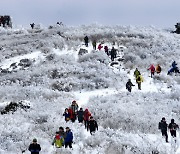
(172,120)
(61,128)
(34,140)
(163,118)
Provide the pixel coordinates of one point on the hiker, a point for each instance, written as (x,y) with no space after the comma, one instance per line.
(61,132)
(100,46)
(80,114)
(34,147)
(174,68)
(158,69)
(173,127)
(66,114)
(72,116)
(152,69)
(94,44)
(32,25)
(129,85)
(139,80)
(86,40)
(74,108)
(87,116)
(106,50)
(113,53)
(92,125)
(163,127)
(68,138)
(58,140)
(136,73)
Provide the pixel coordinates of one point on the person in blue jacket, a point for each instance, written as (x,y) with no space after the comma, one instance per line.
(68,138)
(174,68)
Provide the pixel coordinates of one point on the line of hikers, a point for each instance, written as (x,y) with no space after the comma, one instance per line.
(62,138)
(163,126)
(153,69)
(112,52)
(72,113)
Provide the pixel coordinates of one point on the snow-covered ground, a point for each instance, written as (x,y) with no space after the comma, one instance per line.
(55,75)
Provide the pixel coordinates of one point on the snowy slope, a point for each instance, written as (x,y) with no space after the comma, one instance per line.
(54,75)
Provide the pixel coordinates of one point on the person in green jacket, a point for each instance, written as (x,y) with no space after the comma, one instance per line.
(58,140)
(136,73)
(94,44)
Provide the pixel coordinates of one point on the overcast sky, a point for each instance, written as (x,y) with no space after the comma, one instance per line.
(160,13)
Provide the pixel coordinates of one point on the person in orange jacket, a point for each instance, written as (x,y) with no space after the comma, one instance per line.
(158,69)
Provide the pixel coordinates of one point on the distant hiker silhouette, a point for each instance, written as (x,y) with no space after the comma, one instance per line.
(32,25)
(152,69)
(174,68)
(74,108)
(158,69)
(80,115)
(92,125)
(113,53)
(86,40)
(173,127)
(66,114)
(100,46)
(136,73)
(106,50)
(139,80)
(129,85)
(94,44)
(163,127)
(87,116)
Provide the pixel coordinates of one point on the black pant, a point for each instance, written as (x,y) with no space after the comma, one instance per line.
(152,73)
(86,124)
(129,89)
(68,144)
(86,44)
(139,85)
(164,133)
(112,57)
(173,133)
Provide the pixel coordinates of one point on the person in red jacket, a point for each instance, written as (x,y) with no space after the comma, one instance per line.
(106,50)
(100,46)
(152,69)
(87,116)
(70,111)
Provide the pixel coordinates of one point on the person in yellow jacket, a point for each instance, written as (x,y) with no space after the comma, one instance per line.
(139,80)
(58,140)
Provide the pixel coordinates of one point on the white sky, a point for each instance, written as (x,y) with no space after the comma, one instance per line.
(160,13)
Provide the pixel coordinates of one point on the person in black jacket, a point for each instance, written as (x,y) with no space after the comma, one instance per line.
(173,127)
(34,147)
(86,40)
(32,25)
(163,127)
(80,115)
(92,125)
(113,53)
(129,85)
